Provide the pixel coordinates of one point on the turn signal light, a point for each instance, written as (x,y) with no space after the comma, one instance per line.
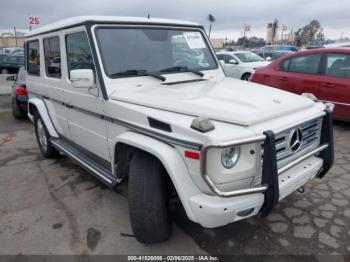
(193,155)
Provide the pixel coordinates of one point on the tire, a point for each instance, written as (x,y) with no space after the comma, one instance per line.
(17,112)
(148,209)
(246,77)
(4,71)
(43,138)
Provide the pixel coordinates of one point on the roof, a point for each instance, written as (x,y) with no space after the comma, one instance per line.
(68,22)
(233,52)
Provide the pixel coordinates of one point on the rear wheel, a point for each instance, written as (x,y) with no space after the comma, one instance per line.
(17,112)
(246,77)
(43,138)
(148,209)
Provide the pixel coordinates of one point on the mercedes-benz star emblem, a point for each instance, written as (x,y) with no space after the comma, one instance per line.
(295,139)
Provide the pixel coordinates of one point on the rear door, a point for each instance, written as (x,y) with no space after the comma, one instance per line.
(335,83)
(54,82)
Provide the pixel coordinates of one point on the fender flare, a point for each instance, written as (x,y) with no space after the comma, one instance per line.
(172,162)
(42,109)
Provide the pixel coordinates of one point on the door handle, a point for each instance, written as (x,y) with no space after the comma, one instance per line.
(69,105)
(284,78)
(328,85)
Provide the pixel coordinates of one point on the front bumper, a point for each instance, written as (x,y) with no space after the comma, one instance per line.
(276,183)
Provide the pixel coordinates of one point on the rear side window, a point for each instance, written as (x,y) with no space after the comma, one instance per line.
(33,58)
(52,57)
(78,52)
(307,64)
(338,65)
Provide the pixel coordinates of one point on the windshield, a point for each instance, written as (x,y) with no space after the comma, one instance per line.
(248,57)
(152,50)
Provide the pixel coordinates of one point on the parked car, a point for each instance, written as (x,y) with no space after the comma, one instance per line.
(19,94)
(281,48)
(11,64)
(272,55)
(337,45)
(240,64)
(2,57)
(10,50)
(323,72)
(171,127)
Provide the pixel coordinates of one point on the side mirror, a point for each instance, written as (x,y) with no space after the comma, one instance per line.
(82,78)
(233,62)
(268,58)
(11,78)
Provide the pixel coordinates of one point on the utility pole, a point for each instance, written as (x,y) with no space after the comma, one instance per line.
(14,28)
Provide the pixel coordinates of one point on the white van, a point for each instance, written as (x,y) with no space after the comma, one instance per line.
(146,101)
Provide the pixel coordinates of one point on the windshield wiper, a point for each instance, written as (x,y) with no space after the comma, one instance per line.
(136,72)
(182,69)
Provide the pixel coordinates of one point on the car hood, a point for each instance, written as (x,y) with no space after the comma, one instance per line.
(228,100)
(257,64)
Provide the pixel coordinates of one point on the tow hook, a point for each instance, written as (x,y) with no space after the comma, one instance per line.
(301,190)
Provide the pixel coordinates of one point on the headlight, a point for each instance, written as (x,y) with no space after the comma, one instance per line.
(229,156)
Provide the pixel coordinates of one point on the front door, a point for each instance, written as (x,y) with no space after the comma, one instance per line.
(300,74)
(85,107)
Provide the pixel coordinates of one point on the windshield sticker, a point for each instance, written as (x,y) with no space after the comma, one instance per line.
(194,40)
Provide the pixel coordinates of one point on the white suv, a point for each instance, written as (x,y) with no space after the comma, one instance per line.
(146,101)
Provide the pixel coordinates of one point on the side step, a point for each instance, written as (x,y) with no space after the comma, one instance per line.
(98,170)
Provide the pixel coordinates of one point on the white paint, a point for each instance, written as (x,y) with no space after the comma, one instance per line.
(238,110)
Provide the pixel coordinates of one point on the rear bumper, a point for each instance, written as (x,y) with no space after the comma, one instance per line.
(276,183)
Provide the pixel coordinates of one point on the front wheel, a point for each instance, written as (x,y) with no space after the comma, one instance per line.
(148,209)
(246,77)
(43,138)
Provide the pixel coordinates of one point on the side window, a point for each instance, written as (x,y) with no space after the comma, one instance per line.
(225,58)
(228,58)
(52,54)
(33,58)
(12,59)
(220,57)
(284,65)
(20,59)
(78,52)
(307,64)
(338,65)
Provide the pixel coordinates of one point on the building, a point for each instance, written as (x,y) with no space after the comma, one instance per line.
(217,43)
(8,37)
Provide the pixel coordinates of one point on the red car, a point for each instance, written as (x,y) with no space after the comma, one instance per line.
(322,72)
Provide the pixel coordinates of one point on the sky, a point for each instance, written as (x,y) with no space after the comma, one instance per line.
(231,15)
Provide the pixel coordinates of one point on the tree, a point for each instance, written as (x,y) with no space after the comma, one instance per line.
(306,34)
(252,42)
(243,41)
(211,19)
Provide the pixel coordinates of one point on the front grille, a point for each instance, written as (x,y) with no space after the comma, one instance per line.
(310,137)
